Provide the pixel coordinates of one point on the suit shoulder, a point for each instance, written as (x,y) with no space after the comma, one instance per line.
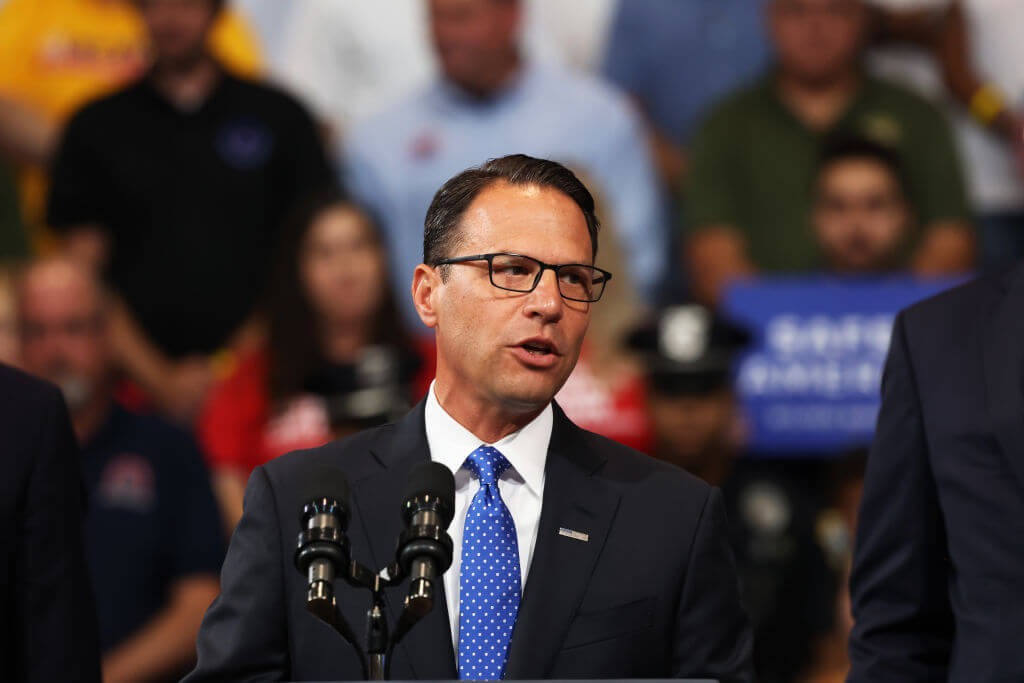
(351,454)
(634,468)
(958,305)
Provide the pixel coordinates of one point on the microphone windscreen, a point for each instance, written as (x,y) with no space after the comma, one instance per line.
(437,480)
(327,482)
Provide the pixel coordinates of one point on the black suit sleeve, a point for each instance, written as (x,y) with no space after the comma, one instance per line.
(713,637)
(903,620)
(55,621)
(243,636)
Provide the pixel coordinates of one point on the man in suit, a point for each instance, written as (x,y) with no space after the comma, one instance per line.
(938,572)
(606,562)
(47,615)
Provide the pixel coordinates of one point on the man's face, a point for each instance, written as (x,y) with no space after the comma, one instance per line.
(691,431)
(178,28)
(474,38)
(861,219)
(63,331)
(508,349)
(816,40)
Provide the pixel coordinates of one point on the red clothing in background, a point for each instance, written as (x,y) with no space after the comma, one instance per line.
(238,428)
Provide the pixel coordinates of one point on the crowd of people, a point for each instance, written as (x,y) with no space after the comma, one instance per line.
(211,210)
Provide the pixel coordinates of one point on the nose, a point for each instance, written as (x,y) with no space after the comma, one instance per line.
(546,301)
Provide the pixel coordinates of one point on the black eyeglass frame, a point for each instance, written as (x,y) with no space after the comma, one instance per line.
(604,275)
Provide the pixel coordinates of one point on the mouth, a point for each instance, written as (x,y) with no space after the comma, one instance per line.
(537,352)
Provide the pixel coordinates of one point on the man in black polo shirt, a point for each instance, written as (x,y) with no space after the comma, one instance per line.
(178,185)
(153,532)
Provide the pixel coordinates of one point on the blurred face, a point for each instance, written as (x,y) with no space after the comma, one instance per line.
(507,350)
(475,40)
(692,431)
(342,266)
(817,40)
(178,28)
(860,217)
(64,337)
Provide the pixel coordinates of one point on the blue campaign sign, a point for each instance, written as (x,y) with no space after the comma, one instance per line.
(810,382)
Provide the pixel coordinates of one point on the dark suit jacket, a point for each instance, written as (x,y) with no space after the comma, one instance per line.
(938,577)
(47,615)
(653,592)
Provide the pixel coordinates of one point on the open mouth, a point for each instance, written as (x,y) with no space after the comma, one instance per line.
(538,348)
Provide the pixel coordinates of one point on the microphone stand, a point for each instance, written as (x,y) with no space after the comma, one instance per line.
(380,642)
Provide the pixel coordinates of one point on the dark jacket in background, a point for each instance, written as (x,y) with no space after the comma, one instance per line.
(47,617)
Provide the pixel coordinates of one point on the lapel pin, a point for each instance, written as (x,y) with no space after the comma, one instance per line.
(576,535)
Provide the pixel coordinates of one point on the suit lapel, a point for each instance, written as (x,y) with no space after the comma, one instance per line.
(1003,358)
(576,500)
(377,497)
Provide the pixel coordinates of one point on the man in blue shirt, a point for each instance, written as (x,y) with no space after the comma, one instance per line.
(153,532)
(490,102)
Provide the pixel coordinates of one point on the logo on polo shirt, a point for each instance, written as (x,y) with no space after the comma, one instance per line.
(128,482)
(244,144)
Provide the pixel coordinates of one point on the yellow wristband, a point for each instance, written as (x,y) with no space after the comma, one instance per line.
(987,103)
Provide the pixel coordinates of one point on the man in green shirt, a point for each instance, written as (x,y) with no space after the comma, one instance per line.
(749,195)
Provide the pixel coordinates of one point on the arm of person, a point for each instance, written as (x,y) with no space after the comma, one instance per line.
(715,256)
(54,616)
(713,636)
(903,620)
(714,248)
(947,247)
(166,644)
(178,387)
(26,136)
(243,636)
(229,488)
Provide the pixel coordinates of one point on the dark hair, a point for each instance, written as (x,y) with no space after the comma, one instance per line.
(848,148)
(293,343)
(441,226)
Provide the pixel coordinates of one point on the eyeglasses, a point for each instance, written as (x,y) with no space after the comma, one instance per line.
(518,273)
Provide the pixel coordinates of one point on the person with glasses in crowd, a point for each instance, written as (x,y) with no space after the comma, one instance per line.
(573,555)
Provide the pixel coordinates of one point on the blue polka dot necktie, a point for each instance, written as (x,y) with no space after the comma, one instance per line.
(490,578)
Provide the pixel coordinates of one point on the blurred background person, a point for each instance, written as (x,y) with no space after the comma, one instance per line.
(677,58)
(153,541)
(971,65)
(492,100)
(337,359)
(14,241)
(349,59)
(688,354)
(47,612)
(862,219)
(56,55)
(178,184)
(748,195)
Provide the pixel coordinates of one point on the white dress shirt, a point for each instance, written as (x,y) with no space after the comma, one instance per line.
(521,485)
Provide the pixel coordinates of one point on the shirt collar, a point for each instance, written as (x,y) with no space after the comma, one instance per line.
(526,449)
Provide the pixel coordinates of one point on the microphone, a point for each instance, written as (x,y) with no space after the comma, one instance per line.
(323,547)
(424,547)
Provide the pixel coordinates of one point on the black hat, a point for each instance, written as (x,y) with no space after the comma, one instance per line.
(688,350)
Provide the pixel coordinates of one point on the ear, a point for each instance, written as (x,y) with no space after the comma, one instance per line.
(426,283)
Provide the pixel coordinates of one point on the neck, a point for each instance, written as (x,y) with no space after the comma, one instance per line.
(342,341)
(503,74)
(187,82)
(87,420)
(819,104)
(488,422)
